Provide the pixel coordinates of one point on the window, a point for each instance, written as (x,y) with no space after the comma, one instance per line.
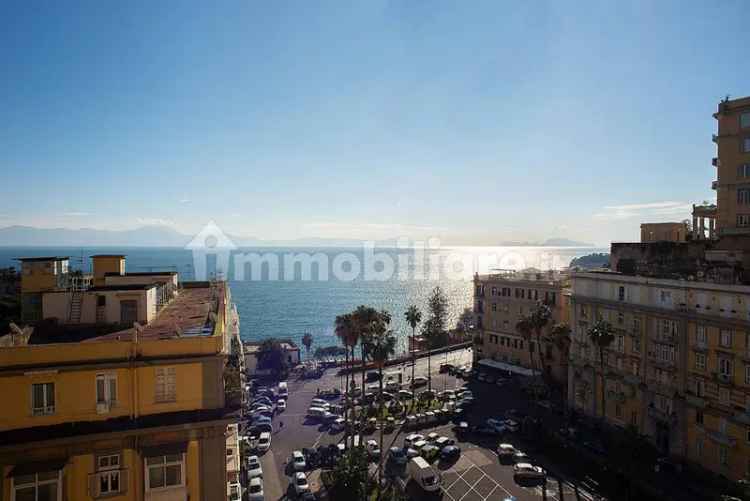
(106,391)
(723,426)
(493,338)
(725,339)
(493,291)
(108,474)
(621,293)
(637,344)
(620,343)
(700,388)
(634,418)
(43,398)
(620,318)
(128,311)
(635,368)
(37,487)
(700,335)
(101,300)
(725,367)
(700,361)
(743,220)
(743,170)
(164,471)
(724,396)
(743,196)
(746,145)
(166,387)
(699,447)
(494,306)
(747,374)
(698,417)
(665,296)
(745,120)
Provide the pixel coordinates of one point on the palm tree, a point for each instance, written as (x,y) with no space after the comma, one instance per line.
(602,335)
(367,321)
(307,340)
(413,318)
(346,332)
(560,337)
(539,319)
(382,348)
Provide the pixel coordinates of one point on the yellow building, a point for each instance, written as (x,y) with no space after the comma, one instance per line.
(40,275)
(678,369)
(501,299)
(664,232)
(733,167)
(106,412)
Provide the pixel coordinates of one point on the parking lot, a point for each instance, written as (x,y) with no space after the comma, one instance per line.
(477,475)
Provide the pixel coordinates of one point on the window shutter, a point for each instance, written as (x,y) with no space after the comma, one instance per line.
(100,390)
(112,389)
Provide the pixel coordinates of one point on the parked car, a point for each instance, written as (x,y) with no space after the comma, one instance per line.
(432,436)
(235,492)
(411,453)
(264,441)
(419,381)
(511,425)
(521,457)
(443,442)
(298,461)
(446,368)
(338,424)
(429,452)
(373,449)
(424,474)
(300,483)
(255,489)
(505,450)
(319,402)
(281,405)
(393,386)
(446,395)
(413,438)
(497,424)
(450,453)
(528,471)
(254,468)
(397,455)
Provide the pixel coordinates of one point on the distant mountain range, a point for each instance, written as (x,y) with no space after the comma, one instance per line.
(165,236)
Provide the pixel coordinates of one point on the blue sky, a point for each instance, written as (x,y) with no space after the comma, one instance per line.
(472,121)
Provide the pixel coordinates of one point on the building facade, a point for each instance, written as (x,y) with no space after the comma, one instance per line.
(664,232)
(138,413)
(500,300)
(732,165)
(678,369)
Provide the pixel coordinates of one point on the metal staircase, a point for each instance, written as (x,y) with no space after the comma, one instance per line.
(74,316)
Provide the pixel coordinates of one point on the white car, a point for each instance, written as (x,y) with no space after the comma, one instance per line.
(521,457)
(527,470)
(419,381)
(298,461)
(373,449)
(411,453)
(254,469)
(431,437)
(338,425)
(255,489)
(414,437)
(281,405)
(443,442)
(319,402)
(505,450)
(300,483)
(264,441)
(419,444)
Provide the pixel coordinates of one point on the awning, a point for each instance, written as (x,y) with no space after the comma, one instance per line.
(506,367)
(37,467)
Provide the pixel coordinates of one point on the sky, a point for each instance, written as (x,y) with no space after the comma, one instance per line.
(472,122)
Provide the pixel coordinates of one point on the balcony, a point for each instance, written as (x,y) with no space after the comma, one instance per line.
(721,438)
(714,185)
(715,162)
(715,138)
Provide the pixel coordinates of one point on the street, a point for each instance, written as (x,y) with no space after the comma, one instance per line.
(478,475)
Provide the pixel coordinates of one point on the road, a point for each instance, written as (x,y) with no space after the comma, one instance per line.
(476,476)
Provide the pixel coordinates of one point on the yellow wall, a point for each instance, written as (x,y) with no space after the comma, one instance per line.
(107,264)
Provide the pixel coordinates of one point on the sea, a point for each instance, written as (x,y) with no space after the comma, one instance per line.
(285,292)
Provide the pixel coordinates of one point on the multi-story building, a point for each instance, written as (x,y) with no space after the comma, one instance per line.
(678,369)
(501,299)
(133,404)
(732,214)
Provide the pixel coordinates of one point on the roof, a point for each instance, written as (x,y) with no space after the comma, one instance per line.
(107,255)
(139,274)
(47,258)
(189,312)
(123,287)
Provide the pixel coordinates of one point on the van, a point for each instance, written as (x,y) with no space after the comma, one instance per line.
(424,474)
(283,389)
(264,442)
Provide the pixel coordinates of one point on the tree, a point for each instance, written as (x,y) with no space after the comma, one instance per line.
(601,335)
(434,329)
(524,327)
(345,330)
(307,340)
(539,318)
(270,356)
(349,479)
(413,318)
(367,322)
(560,338)
(382,348)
